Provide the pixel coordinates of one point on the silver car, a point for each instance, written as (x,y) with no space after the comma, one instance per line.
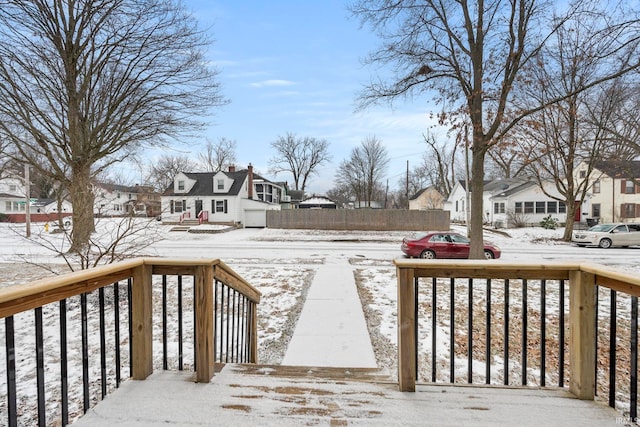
(608,235)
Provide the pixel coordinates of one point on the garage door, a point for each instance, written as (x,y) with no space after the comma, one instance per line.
(255,218)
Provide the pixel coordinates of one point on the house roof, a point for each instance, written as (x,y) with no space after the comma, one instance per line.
(204,183)
(619,168)
(317,200)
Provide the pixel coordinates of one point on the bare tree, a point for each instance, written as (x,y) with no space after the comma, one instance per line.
(219,155)
(165,168)
(83,84)
(471,55)
(300,156)
(572,131)
(364,170)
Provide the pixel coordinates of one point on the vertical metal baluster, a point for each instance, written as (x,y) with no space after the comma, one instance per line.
(129,309)
(561,340)
(116,325)
(633,392)
(612,350)
(85,352)
(42,410)
(543,332)
(506,331)
(488,335)
(165,362)
(416,302)
(525,327)
(222,286)
(64,381)
(195,323)
(180,348)
(12,414)
(433,328)
(470,336)
(103,345)
(215,318)
(452,330)
(226,356)
(233,323)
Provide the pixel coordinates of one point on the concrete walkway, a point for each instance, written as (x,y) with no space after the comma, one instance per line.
(331,330)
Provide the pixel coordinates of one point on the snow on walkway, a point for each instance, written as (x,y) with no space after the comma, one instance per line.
(331,330)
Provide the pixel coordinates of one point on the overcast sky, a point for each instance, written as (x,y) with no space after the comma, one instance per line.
(296,66)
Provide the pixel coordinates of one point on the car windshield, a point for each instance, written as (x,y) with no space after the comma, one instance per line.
(603,228)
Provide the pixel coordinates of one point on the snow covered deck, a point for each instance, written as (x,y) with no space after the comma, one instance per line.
(280,395)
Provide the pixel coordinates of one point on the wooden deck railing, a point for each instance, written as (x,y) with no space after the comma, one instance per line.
(223,328)
(490,303)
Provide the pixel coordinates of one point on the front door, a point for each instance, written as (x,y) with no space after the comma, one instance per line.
(198,207)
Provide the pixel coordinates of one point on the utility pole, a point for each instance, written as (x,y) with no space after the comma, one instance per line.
(407,185)
(27,201)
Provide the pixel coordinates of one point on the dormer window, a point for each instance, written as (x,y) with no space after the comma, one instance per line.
(220,184)
(181,185)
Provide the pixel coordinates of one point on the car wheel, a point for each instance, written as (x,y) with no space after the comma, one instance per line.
(605,243)
(428,254)
(488,254)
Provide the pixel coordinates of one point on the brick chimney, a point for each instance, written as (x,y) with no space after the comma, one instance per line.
(232,168)
(250,178)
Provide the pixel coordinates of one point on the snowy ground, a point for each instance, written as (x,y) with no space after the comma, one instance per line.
(281,264)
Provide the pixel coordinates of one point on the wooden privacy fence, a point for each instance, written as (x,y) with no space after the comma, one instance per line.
(567,324)
(359,219)
(91,328)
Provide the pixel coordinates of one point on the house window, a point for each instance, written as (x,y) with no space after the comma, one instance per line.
(518,208)
(8,206)
(552,207)
(583,174)
(129,196)
(178,206)
(596,187)
(12,187)
(629,187)
(595,210)
(562,208)
(628,210)
(528,207)
(181,185)
(540,207)
(221,184)
(219,206)
(498,208)
(117,195)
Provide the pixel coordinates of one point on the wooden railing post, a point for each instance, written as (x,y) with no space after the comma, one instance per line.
(142,323)
(406,330)
(253,334)
(582,327)
(205,362)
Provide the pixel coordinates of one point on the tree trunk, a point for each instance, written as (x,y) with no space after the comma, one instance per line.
(571,214)
(82,198)
(477,188)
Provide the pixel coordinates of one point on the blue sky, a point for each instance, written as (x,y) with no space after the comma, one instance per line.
(296,66)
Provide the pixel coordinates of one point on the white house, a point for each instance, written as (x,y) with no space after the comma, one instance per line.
(12,196)
(222,197)
(613,193)
(510,201)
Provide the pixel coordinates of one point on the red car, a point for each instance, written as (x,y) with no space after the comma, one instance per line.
(443,244)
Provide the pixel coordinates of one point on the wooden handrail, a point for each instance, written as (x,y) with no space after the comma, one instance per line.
(18,298)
